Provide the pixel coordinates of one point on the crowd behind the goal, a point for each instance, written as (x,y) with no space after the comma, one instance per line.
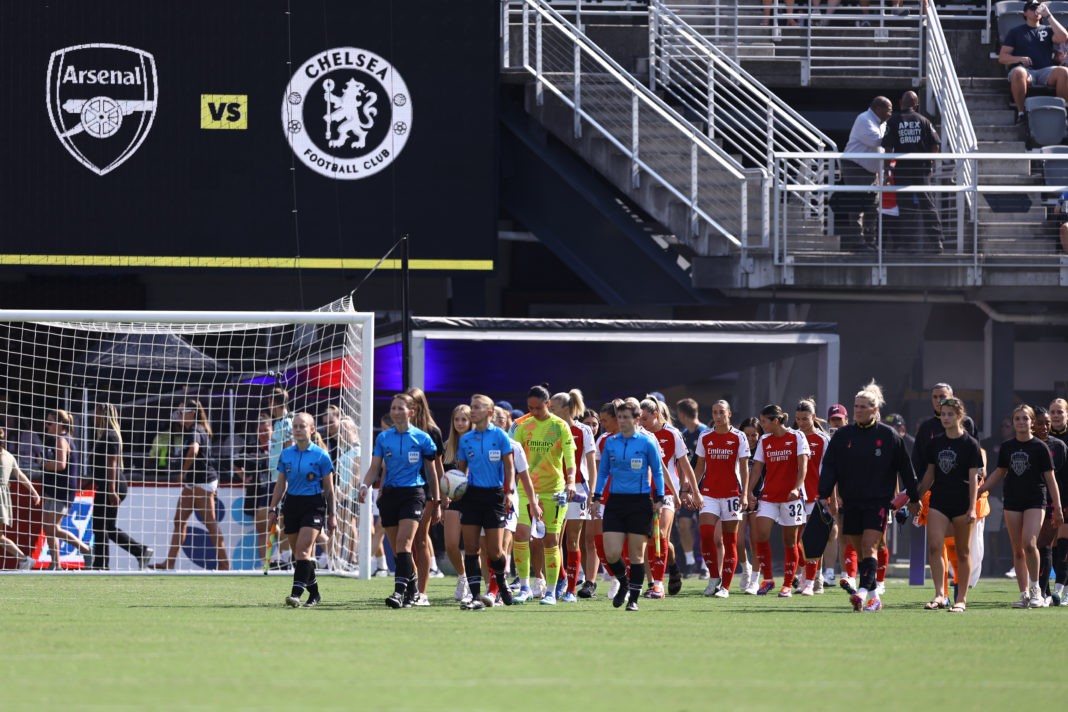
(560,495)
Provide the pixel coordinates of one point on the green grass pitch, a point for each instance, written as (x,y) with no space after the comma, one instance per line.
(228,643)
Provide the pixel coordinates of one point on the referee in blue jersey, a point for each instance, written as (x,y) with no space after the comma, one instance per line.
(627,459)
(485,453)
(399,452)
(305,481)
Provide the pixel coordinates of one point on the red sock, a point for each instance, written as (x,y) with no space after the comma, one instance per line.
(708,549)
(800,553)
(730,557)
(658,564)
(763,552)
(598,545)
(789,566)
(574,560)
(849,562)
(812,568)
(883,556)
(491,589)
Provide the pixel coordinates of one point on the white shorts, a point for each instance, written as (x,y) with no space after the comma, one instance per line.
(809,506)
(669,502)
(727,509)
(787,514)
(209,487)
(579,510)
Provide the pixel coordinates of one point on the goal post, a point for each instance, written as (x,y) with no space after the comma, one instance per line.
(151,436)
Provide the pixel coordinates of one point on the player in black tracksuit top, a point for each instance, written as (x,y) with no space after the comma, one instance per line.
(865,460)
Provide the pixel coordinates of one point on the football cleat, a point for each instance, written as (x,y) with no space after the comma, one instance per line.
(620,596)
(765,588)
(857,601)
(873,605)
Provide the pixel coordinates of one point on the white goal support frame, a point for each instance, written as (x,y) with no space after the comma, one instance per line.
(323,358)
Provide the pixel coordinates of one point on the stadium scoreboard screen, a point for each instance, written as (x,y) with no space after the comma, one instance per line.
(249,132)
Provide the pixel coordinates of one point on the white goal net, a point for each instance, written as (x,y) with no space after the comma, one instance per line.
(146,441)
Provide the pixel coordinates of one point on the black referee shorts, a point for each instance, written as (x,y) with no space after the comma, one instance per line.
(484,507)
(303,511)
(864,514)
(397,503)
(629,514)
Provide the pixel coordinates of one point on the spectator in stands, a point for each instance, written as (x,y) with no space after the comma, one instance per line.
(897,422)
(908,131)
(766,20)
(1029,50)
(832,5)
(861,210)
(1061,212)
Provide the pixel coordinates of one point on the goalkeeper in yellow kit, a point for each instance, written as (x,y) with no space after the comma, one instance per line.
(550,451)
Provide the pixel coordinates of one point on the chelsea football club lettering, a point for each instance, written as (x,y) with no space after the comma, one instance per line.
(347,113)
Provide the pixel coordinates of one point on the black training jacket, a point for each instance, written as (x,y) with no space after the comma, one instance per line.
(866,462)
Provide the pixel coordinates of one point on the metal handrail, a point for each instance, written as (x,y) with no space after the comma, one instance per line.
(568,84)
(823,50)
(976,246)
(733,105)
(958,133)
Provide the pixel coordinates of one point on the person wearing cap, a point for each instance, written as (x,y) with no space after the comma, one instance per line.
(1028,49)
(897,422)
(837,417)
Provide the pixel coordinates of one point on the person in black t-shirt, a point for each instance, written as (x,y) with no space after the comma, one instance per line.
(1028,48)
(1026,466)
(109,486)
(1059,452)
(200,482)
(908,131)
(952,476)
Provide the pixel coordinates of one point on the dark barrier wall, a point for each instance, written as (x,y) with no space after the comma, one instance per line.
(248,128)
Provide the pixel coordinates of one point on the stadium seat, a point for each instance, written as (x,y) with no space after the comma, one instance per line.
(1055,172)
(1046,120)
(1009,14)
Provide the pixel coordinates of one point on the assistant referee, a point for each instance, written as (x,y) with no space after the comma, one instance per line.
(305,480)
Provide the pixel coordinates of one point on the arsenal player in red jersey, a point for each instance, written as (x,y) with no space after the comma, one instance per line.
(783,454)
(723,471)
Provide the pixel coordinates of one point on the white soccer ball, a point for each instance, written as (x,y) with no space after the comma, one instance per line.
(453,484)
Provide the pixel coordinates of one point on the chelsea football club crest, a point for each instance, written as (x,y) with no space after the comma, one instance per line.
(347,113)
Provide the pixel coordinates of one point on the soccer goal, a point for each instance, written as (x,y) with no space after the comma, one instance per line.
(150,438)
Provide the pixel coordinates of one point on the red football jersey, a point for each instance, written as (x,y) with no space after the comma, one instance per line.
(721,452)
(817,445)
(780,457)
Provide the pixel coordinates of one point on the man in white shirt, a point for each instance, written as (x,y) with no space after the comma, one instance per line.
(860,215)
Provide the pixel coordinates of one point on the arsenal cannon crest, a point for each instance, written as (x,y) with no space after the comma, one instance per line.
(101,101)
(347,113)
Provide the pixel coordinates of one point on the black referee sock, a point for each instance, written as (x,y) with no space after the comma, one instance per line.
(313,583)
(474,580)
(299,579)
(637,575)
(618,569)
(1045,561)
(673,568)
(498,571)
(403,563)
(867,570)
(1060,561)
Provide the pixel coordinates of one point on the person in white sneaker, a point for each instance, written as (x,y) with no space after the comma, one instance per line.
(866,461)
(952,476)
(9,469)
(1027,490)
(723,470)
